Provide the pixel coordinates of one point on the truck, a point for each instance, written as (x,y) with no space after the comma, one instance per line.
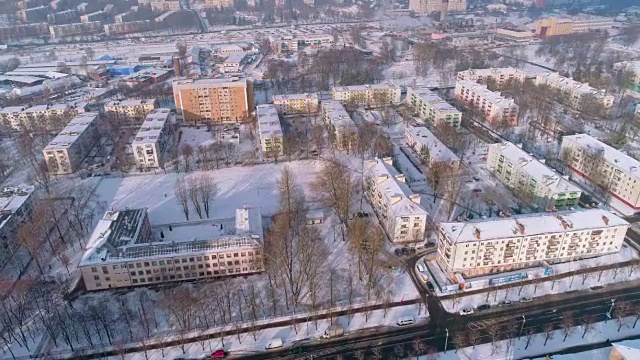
(333,331)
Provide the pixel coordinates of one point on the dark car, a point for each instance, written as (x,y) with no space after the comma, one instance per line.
(430,244)
(484,307)
(398,252)
(477,190)
(430,286)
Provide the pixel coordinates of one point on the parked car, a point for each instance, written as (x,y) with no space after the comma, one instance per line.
(477,190)
(274,344)
(333,332)
(505,302)
(406,320)
(484,307)
(526,299)
(430,286)
(430,244)
(466,311)
(218,354)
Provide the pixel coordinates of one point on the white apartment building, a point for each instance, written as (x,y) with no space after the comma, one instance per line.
(397,207)
(66,151)
(129,111)
(525,174)
(153,139)
(126,250)
(432,6)
(270,130)
(494,107)
(428,147)
(499,75)
(234,62)
(218,4)
(343,132)
(94,16)
(293,42)
(372,95)
(430,107)
(161,5)
(504,244)
(618,171)
(574,89)
(633,66)
(16,206)
(52,116)
(296,103)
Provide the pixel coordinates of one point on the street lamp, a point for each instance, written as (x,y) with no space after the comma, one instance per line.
(608,313)
(446,340)
(522,326)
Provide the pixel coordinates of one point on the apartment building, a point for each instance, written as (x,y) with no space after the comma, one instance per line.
(16,206)
(296,103)
(126,250)
(269,130)
(556,26)
(92,17)
(372,95)
(226,50)
(218,4)
(514,34)
(397,207)
(632,66)
(505,244)
(531,178)
(153,139)
(62,17)
(433,6)
(33,14)
(576,91)
(59,31)
(428,147)
(430,107)
(213,100)
(130,111)
(494,107)
(48,117)
(499,75)
(598,162)
(161,5)
(293,42)
(128,27)
(343,132)
(66,151)
(13,32)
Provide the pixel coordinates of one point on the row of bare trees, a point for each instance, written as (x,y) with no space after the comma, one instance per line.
(198,190)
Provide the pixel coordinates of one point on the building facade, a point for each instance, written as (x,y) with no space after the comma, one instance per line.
(38,117)
(296,103)
(491,104)
(59,31)
(66,151)
(131,111)
(432,6)
(373,95)
(430,107)
(213,100)
(631,66)
(153,139)
(397,207)
(554,26)
(505,244)
(343,132)
(499,75)
(578,93)
(218,4)
(270,130)
(428,147)
(603,166)
(531,178)
(126,250)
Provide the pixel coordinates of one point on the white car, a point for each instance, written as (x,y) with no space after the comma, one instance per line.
(466,311)
(526,299)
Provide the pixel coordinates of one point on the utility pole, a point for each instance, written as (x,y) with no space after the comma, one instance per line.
(446,341)
(522,326)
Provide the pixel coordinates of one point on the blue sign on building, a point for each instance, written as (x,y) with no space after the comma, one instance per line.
(506,279)
(548,271)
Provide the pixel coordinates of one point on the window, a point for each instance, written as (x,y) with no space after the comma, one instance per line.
(138,265)
(184,260)
(130,266)
(94,270)
(169,262)
(105,270)
(115,267)
(191,259)
(229,263)
(206,257)
(154,263)
(107,279)
(235,255)
(96,277)
(140,273)
(146,263)
(148,272)
(199,258)
(135,281)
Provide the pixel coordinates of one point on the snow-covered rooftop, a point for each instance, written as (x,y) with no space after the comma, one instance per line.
(380,86)
(474,74)
(557,80)
(401,200)
(612,156)
(152,126)
(337,114)
(493,97)
(627,352)
(434,100)
(130,102)
(12,199)
(235,57)
(531,224)
(437,150)
(120,236)
(72,131)
(532,166)
(268,121)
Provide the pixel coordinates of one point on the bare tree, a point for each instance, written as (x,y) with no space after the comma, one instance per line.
(568,322)
(622,310)
(548,332)
(181,192)
(588,324)
(187,155)
(336,188)
(459,340)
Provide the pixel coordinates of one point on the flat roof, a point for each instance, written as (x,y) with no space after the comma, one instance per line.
(235,57)
(612,156)
(283,97)
(268,120)
(72,131)
(570,84)
(12,198)
(152,127)
(24,79)
(493,97)
(131,102)
(380,86)
(218,82)
(473,73)
(437,149)
(532,224)
(532,166)
(338,116)
(146,73)
(434,100)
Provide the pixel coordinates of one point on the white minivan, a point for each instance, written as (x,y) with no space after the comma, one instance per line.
(274,343)
(406,320)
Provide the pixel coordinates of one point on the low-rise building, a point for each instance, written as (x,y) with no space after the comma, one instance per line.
(433,6)
(62,17)
(33,14)
(66,151)
(505,244)
(234,62)
(14,32)
(16,206)
(296,103)
(218,4)
(531,179)
(494,107)
(578,93)
(228,49)
(514,34)
(292,43)
(161,5)
(428,147)
(146,77)
(93,17)
(129,111)
(126,250)
(270,130)
(623,352)
(59,31)
(603,167)
(555,26)
(153,139)
(430,107)
(499,75)
(397,207)
(343,132)
(128,27)
(631,66)
(372,95)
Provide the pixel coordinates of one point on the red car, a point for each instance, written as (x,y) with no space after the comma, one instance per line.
(218,354)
